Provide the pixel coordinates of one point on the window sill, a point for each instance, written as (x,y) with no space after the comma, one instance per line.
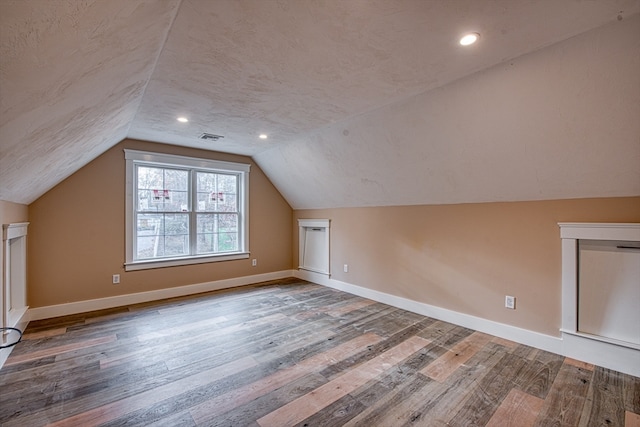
(174,262)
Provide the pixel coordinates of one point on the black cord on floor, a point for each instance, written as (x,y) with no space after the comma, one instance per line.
(3,330)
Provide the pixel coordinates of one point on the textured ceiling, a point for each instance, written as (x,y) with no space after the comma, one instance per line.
(76,77)
(72,75)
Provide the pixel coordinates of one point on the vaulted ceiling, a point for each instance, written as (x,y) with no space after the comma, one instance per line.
(365,102)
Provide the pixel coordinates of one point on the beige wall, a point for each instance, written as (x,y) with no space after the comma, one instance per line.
(459,257)
(13,212)
(465,257)
(77,240)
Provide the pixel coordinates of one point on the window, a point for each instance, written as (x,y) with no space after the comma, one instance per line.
(183,210)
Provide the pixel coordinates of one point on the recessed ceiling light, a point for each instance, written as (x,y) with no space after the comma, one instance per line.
(263,136)
(183,119)
(469,39)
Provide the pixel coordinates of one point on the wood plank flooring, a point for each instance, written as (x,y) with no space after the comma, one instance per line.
(291,353)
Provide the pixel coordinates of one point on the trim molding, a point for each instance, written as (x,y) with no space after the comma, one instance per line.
(601,351)
(582,349)
(128,299)
(600,230)
(513,333)
(597,352)
(614,357)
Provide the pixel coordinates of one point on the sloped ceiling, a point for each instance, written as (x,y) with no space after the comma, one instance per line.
(72,75)
(361,99)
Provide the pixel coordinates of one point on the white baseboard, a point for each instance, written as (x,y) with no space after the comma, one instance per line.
(128,299)
(612,356)
(122,300)
(618,358)
(513,333)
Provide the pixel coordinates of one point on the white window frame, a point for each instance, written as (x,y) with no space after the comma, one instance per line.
(146,158)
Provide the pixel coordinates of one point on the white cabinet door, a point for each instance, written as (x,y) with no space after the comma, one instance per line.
(609,289)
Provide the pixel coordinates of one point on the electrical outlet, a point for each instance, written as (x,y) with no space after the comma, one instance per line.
(254,262)
(115,279)
(510,302)
(346,268)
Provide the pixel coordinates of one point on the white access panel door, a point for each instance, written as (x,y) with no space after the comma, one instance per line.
(609,290)
(316,257)
(314,245)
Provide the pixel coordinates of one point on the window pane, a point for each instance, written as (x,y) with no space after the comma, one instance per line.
(175,179)
(206,223)
(176,224)
(162,235)
(227,203)
(207,201)
(228,223)
(149,228)
(206,226)
(217,233)
(162,190)
(150,178)
(207,192)
(176,245)
(206,243)
(216,192)
(146,247)
(176,201)
(144,200)
(228,183)
(227,242)
(176,195)
(228,186)
(206,181)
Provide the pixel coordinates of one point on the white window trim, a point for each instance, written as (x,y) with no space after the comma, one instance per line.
(140,157)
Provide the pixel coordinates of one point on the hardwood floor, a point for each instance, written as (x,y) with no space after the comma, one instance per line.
(291,353)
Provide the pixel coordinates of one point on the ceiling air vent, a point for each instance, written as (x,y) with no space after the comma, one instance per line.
(211,137)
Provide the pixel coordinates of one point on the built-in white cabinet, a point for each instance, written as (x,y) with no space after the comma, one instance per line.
(601,294)
(13,292)
(609,289)
(13,300)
